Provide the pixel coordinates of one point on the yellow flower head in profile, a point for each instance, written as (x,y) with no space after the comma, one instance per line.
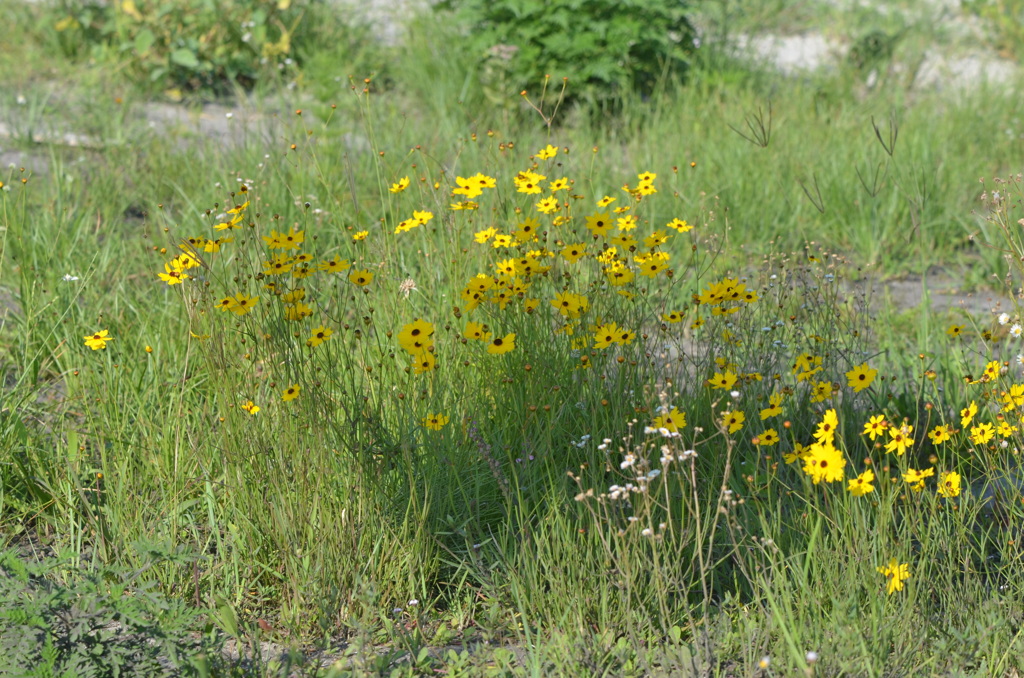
(896,574)
(435,422)
(915,478)
(98,340)
(251,407)
(967,414)
(402,184)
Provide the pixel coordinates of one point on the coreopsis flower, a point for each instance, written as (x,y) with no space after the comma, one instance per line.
(400,186)
(605,201)
(173,275)
(502,345)
(824,462)
(982,433)
(278,264)
(733,420)
(570,305)
(915,478)
(940,434)
(435,422)
(967,414)
(1005,429)
(949,485)
(599,224)
(360,236)
(896,574)
(417,336)
(528,182)
(901,439)
(775,406)
(860,377)
(485,235)
(98,340)
(822,391)
(626,223)
(573,253)
(319,336)
(955,330)
(477,331)
(548,205)
(875,426)
(361,277)
(291,393)
(722,380)
(559,185)
(423,362)
(297,311)
(861,485)
(672,421)
(335,265)
(251,407)
(826,431)
(770,438)
(526,230)
(679,225)
(467,187)
(606,335)
(547,152)
(672,317)
(243,304)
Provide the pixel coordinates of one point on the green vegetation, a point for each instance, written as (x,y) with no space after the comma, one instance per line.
(430,382)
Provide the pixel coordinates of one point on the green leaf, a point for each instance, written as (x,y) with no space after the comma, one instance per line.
(184,57)
(144,41)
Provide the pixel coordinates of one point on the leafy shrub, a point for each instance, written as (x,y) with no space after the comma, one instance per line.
(103,624)
(606,49)
(190,44)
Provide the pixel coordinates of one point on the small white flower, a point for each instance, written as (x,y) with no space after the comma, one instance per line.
(229,115)
(1020,359)
(649,430)
(734,394)
(812,657)
(632,519)
(1004,318)
(70,278)
(22,100)
(627,462)
(414,602)
(1016,330)
(765,662)
(646,532)
(688,453)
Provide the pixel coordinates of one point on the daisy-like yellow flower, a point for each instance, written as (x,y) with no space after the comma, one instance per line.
(733,420)
(672,317)
(722,380)
(967,414)
(599,224)
(940,434)
(949,485)
(402,184)
(361,277)
(982,433)
(319,336)
(671,421)
(173,275)
(423,362)
(435,422)
(98,340)
(861,485)
(605,201)
(335,265)
(291,393)
(775,406)
(860,377)
(955,330)
(559,185)
(476,331)
(875,426)
(417,336)
(359,236)
(547,152)
(679,225)
(915,478)
(502,345)
(824,462)
(769,438)
(548,205)
(251,407)
(901,439)
(896,574)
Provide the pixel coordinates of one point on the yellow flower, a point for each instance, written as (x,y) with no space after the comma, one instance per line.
(423,362)
(916,478)
(861,485)
(896,574)
(949,485)
(251,407)
(722,380)
(939,434)
(98,340)
(361,277)
(291,393)
(967,414)
(547,152)
(319,336)
(359,235)
(874,426)
(955,330)
(733,420)
(434,422)
(671,421)
(402,184)
(679,225)
(860,377)
(502,345)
